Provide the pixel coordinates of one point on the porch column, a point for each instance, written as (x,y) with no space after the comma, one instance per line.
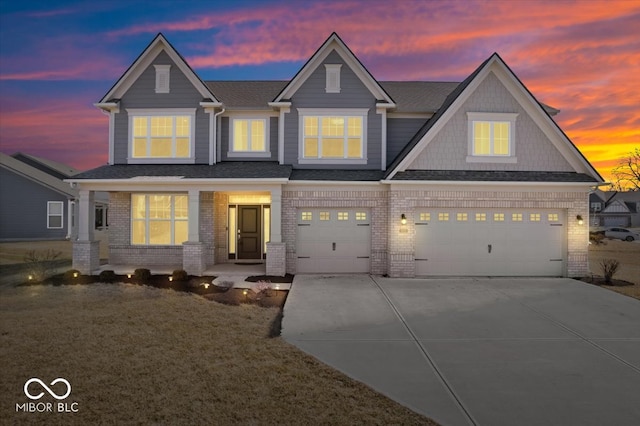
(276,215)
(86,251)
(193,251)
(276,249)
(86,215)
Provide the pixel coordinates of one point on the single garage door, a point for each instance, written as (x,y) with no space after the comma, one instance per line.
(500,242)
(333,240)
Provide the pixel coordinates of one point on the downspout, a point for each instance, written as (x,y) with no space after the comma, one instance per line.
(214,129)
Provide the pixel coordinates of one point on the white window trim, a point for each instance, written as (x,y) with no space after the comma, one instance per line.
(255,154)
(147,220)
(492,116)
(337,112)
(138,112)
(332,78)
(61,215)
(163,75)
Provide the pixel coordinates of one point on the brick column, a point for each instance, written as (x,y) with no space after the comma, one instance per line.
(401,260)
(86,256)
(276,259)
(194,259)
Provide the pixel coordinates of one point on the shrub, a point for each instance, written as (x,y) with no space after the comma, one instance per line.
(262,288)
(142,275)
(597,238)
(180,275)
(40,265)
(71,275)
(107,276)
(609,268)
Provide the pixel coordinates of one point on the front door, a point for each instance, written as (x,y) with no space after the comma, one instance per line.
(249,232)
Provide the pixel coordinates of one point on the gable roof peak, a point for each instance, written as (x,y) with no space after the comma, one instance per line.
(351,60)
(144,60)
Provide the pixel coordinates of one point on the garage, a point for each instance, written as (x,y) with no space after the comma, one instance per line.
(333,240)
(498,242)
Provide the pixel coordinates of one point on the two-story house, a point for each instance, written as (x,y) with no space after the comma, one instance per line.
(336,172)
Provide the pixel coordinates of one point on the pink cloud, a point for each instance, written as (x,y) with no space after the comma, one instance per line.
(69,131)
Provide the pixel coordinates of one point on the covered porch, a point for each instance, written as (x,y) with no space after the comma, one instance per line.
(205,229)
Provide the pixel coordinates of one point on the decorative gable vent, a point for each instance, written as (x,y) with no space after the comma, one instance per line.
(162,78)
(333,78)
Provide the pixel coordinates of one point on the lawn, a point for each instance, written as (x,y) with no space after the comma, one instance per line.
(139,355)
(628,254)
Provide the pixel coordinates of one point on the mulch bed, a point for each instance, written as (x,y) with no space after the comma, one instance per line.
(599,280)
(198,285)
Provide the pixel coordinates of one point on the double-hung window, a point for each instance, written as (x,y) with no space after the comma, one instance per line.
(248,137)
(491,137)
(55,213)
(158,134)
(159,219)
(333,136)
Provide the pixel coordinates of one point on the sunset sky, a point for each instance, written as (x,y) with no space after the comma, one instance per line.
(58,58)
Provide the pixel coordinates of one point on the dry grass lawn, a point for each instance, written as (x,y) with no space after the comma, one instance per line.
(14,252)
(141,355)
(628,254)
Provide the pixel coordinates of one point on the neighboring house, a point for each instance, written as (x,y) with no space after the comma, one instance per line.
(336,172)
(35,203)
(614,208)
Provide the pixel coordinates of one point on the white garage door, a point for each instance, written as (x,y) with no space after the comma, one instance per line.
(500,242)
(333,240)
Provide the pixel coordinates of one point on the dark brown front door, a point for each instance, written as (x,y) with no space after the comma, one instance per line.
(249,233)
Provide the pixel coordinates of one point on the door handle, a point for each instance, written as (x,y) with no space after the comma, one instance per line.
(334,246)
(488,248)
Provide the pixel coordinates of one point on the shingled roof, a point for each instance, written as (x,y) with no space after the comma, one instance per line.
(493,176)
(230,170)
(410,96)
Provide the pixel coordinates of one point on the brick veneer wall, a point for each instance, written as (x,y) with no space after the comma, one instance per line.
(121,252)
(408,202)
(375,200)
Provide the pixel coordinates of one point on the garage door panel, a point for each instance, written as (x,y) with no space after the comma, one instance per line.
(333,240)
(502,242)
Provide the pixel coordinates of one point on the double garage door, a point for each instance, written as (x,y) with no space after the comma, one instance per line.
(333,240)
(499,242)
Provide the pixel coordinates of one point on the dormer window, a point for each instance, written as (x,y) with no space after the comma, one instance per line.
(162,78)
(333,78)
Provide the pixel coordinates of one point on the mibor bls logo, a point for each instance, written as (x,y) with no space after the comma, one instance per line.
(47,407)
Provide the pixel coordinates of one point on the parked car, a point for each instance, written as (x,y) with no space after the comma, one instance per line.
(622,234)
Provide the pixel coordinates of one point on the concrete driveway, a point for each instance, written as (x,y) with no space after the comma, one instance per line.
(477,351)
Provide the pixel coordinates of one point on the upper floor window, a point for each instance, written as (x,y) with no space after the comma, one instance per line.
(248,136)
(156,134)
(491,137)
(332,136)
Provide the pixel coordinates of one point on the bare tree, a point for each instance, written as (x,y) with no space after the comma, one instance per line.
(627,173)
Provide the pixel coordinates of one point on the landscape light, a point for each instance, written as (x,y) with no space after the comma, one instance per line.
(75,275)
(206,285)
(170,278)
(128,275)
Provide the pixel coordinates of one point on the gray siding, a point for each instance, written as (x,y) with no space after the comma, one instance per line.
(23,209)
(142,95)
(353,94)
(225,142)
(449,148)
(399,133)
